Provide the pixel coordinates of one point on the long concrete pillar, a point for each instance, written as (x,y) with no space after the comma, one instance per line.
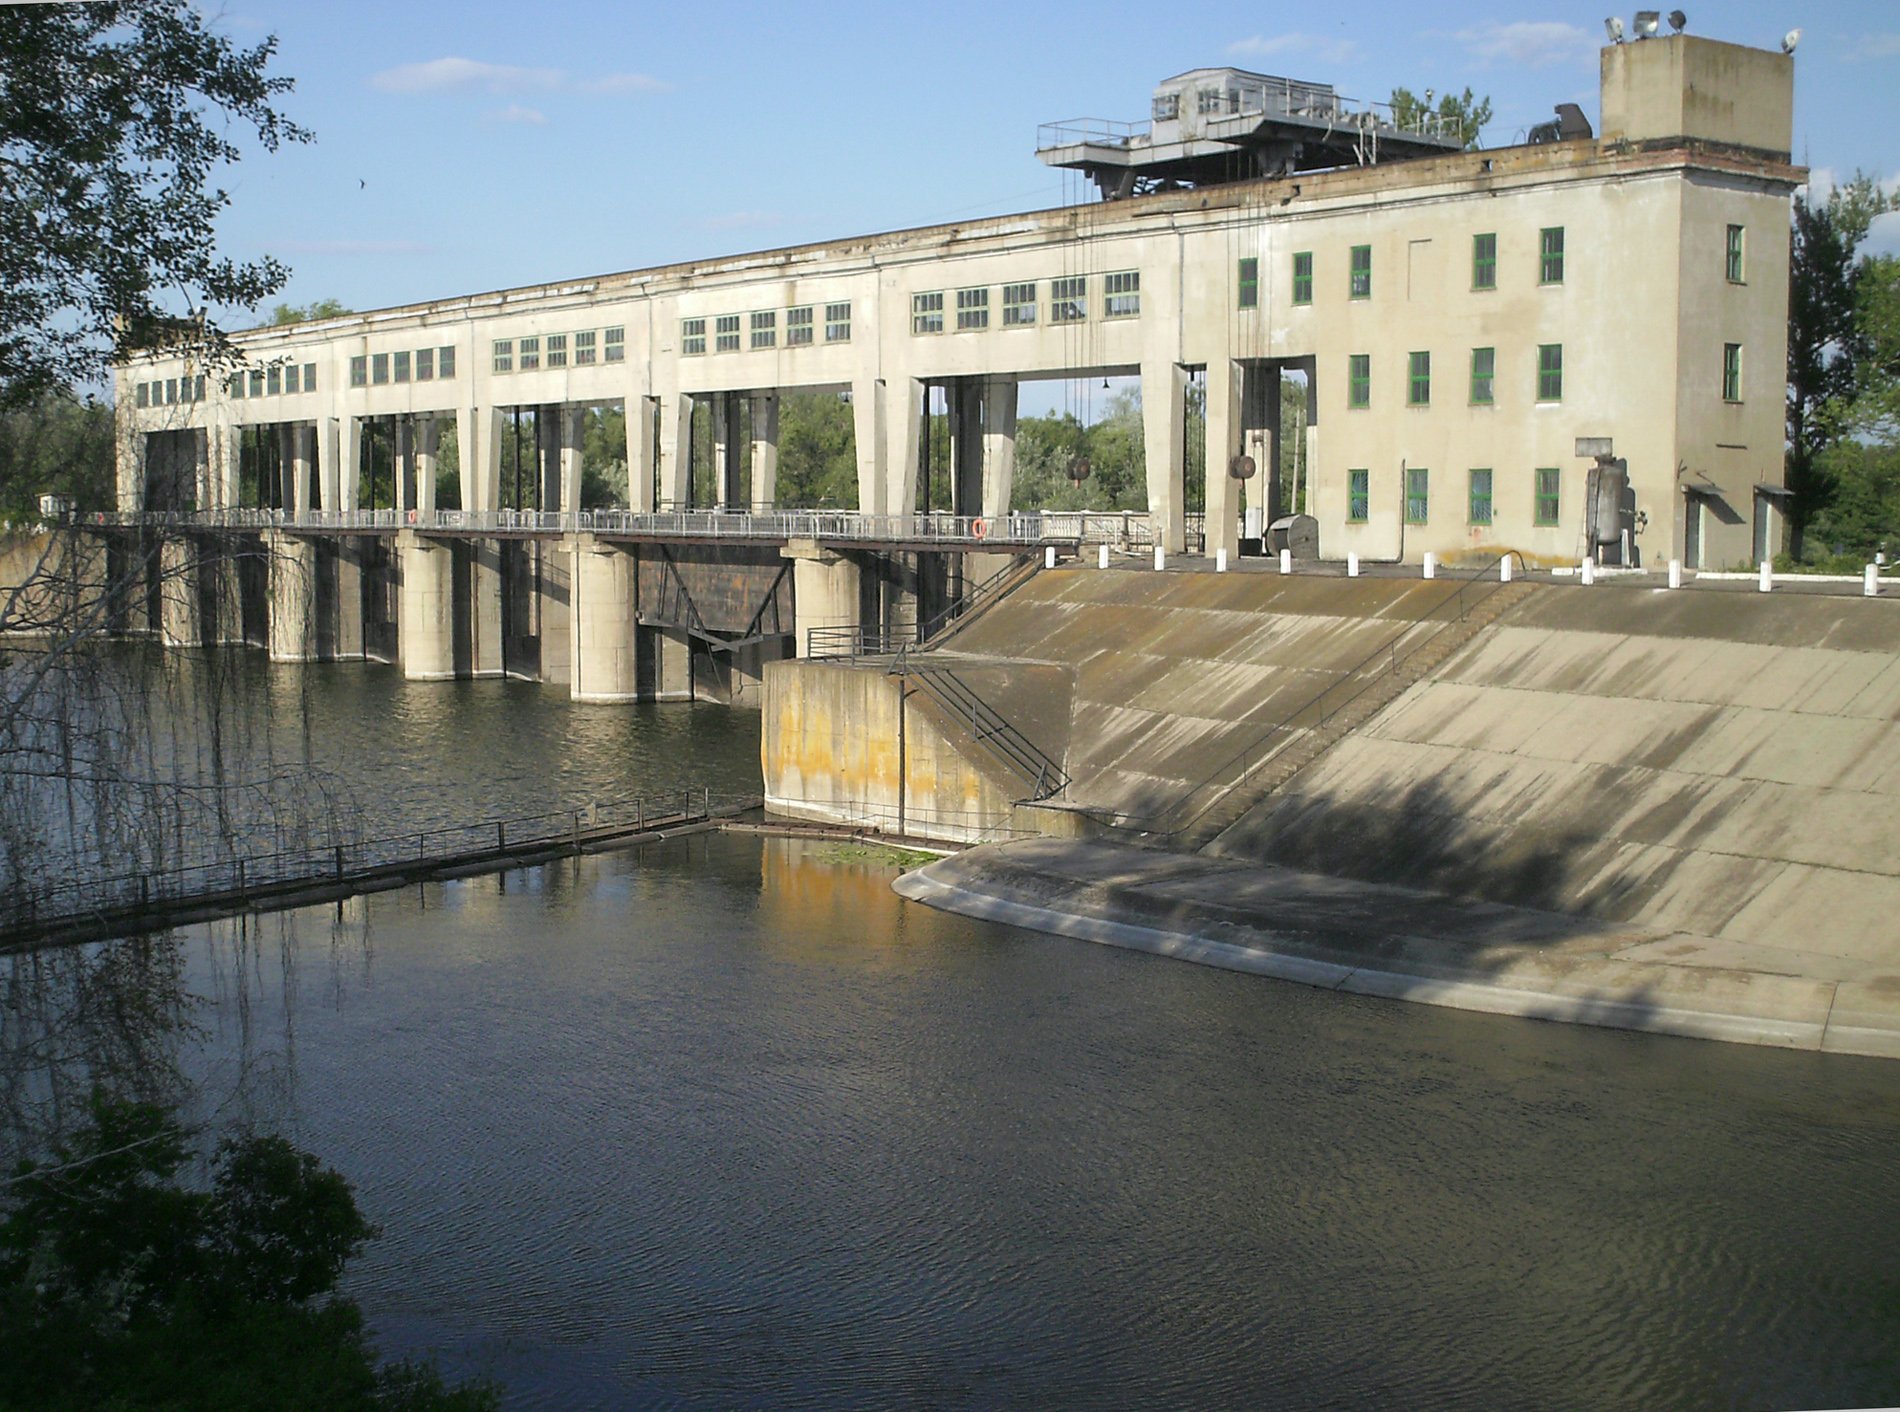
(728,457)
(999,446)
(403,467)
(299,446)
(547,455)
(1223,440)
(676,431)
(643,449)
(555,612)
(870,424)
(1163,419)
(966,446)
(764,452)
(293,597)
(602,617)
(573,424)
(826,590)
(426,607)
(428,447)
(181,601)
(669,653)
(1256,440)
(903,428)
(478,589)
(329,463)
(350,486)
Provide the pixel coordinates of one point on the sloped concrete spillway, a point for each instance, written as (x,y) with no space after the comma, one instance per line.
(1618,806)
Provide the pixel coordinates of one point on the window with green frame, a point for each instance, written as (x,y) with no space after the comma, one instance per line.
(1484,261)
(1249,283)
(1484,370)
(1303,276)
(1550,246)
(1361,286)
(1418,501)
(1734,254)
(1549,479)
(1359,380)
(1418,382)
(1358,496)
(1481,497)
(1550,372)
(1731,372)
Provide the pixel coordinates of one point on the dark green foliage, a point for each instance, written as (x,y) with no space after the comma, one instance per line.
(1862,515)
(1467,110)
(817,452)
(54,443)
(308,313)
(123,1286)
(115,118)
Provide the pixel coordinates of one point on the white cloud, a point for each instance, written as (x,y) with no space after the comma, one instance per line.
(1531,44)
(516,113)
(1261,46)
(458,75)
(1883,236)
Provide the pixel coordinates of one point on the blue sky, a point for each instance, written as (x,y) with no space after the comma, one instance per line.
(475,146)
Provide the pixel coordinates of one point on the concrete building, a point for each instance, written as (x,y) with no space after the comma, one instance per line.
(1463,319)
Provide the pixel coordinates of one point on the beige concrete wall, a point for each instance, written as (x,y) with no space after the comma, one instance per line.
(1683,85)
(427,608)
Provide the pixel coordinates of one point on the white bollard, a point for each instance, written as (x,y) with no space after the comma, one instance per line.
(1675,573)
(1506,567)
(1286,561)
(1161,557)
(1767,577)
(1101,556)
(1870,581)
(1049,556)
(1589,572)
(1431,565)
(1352,566)
(1220,560)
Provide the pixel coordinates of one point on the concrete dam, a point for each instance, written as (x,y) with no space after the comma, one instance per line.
(1621,805)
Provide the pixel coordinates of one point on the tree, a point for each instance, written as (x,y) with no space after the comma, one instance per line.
(308,313)
(123,1285)
(55,442)
(1465,113)
(114,119)
(1825,337)
(1871,407)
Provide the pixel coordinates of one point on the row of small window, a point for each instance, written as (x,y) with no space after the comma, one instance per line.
(170,390)
(552,350)
(269,382)
(1068,303)
(1484,268)
(375,369)
(1483,385)
(762,326)
(1546,503)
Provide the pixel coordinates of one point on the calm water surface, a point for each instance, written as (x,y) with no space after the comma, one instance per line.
(727,1123)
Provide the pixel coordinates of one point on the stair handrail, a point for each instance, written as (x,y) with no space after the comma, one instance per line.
(1487,575)
(988,726)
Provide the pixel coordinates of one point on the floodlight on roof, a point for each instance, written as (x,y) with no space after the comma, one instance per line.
(1789,40)
(1678,21)
(1647,22)
(1614,27)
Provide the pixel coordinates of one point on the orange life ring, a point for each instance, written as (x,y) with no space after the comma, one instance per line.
(979,528)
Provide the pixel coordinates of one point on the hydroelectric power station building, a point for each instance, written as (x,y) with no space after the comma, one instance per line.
(1467,320)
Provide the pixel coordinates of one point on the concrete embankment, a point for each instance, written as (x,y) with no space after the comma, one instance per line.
(1671,811)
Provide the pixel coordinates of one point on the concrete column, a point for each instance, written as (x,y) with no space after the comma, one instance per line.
(728,465)
(1257,422)
(555,612)
(478,590)
(403,453)
(293,597)
(180,613)
(826,589)
(1277,492)
(301,453)
(129,462)
(217,456)
(764,452)
(329,463)
(349,489)
(676,430)
(573,422)
(965,405)
(669,654)
(428,447)
(643,449)
(1163,417)
(869,423)
(999,446)
(903,430)
(547,456)
(1223,439)
(603,617)
(426,609)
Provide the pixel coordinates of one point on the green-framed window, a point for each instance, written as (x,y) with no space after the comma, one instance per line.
(1247,284)
(1121,294)
(1550,372)
(692,337)
(378,373)
(1731,372)
(1303,276)
(1361,284)
(1418,380)
(1550,255)
(1549,502)
(1480,497)
(1358,496)
(1359,380)
(1484,372)
(359,366)
(1484,260)
(1735,239)
(926,312)
(1418,495)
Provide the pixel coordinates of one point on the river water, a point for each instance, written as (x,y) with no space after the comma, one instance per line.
(724,1122)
